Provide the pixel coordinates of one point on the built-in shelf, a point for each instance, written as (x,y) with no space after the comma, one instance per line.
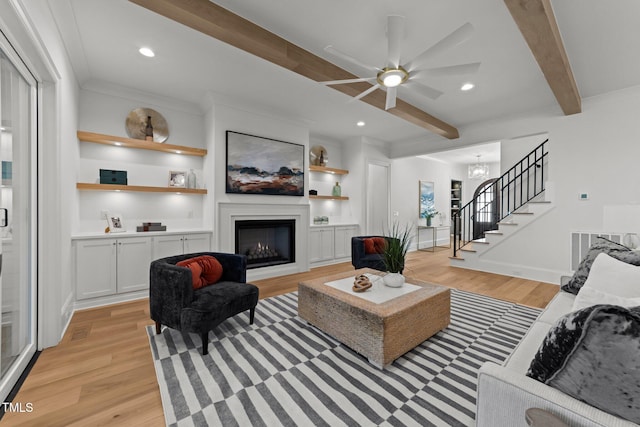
(120,141)
(329,197)
(114,187)
(324,169)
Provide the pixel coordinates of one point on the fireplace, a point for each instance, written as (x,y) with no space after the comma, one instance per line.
(266,242)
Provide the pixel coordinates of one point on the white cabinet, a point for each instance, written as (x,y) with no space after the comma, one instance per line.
(178,244)
(343,235)
(321,244)
(330,244)
(111,266)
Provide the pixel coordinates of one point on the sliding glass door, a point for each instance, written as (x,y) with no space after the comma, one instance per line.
(17,218)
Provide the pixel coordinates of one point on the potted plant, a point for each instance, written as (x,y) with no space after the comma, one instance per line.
(397,244)
(429,213)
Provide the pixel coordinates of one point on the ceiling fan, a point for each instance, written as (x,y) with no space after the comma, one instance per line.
(396,73)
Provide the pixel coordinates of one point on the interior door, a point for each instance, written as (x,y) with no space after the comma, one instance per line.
(18,138)
(377,214)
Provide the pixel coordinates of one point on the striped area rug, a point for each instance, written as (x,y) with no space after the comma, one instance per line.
(282,371)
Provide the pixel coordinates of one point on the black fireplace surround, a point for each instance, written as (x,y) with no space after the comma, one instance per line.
(266,242)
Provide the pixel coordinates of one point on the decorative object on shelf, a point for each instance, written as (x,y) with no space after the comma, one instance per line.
(108,176)
(320,220)
(337,190)
(138,119)
(318,156)
(151,226)
(257,165)
(479,170)
(395,250)
(7,172)
(313,192)
(148,130)
(115,223)
(361,283)
(426,201)
(191,179)
(177,179)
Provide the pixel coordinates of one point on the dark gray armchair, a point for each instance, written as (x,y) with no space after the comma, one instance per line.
(361,259)
(173,301)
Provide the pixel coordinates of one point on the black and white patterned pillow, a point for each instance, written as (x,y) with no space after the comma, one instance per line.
(593,355)
(600,245)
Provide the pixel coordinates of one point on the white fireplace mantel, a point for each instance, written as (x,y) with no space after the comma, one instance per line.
(229,213)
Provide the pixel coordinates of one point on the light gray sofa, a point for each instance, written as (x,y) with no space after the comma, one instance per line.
(505,392)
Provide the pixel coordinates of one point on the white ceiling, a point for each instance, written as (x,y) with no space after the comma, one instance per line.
(102,38)
(489,153)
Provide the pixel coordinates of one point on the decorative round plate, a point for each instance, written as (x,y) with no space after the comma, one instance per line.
(315,153)
(137,122)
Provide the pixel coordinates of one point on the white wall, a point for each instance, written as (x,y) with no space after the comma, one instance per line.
(103,109)
(245,119)
(405,176)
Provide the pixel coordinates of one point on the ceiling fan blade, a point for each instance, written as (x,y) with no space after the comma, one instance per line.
(423,90)
(392,93)
(452,70)
(455,38)
(340,82)
(333,51)
(365,93)
(395,36)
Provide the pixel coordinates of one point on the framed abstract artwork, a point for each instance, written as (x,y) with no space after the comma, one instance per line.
(257,165)
(427,204)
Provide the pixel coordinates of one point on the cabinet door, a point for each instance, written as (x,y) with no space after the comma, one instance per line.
(95,268)
(343,237)
(134,258)
(164,246)
(197,243)
(321,246)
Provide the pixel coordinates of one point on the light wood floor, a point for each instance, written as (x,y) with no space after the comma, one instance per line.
(102,372)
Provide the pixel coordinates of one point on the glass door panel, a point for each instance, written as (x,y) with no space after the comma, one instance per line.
(17,282)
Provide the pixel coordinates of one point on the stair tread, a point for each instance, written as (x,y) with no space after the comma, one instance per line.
(468,250)
(457,258)
(498,233)
(507,223)
(539,201)
(483,241)
(521,213)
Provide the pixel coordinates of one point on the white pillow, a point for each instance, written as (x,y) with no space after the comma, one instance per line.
(588,296)
(610,281)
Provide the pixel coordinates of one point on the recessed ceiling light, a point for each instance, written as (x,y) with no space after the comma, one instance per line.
(146,52)
(360,123)
(467,86)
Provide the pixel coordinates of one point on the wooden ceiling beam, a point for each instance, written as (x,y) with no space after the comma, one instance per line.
(220,23)
(538,25)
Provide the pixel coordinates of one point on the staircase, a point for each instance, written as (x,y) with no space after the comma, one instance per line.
(504,208)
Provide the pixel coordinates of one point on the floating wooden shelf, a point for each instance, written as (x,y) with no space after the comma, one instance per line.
(329,197)
(325,169)
(120,141)
(113,187)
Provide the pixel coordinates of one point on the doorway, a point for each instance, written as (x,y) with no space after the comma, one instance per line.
(377,214)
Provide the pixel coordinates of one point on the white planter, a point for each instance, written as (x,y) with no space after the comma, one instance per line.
(393,280)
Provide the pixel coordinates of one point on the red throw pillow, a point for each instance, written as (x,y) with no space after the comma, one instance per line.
(379,243)
(369,246)
(205,270)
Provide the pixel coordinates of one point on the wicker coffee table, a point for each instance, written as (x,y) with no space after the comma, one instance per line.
(381,331)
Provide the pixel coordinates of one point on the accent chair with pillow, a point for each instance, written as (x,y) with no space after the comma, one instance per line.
(580,360)
(196,292)
(366,252)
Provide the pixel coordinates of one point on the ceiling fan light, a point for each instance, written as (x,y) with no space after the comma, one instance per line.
(392,77)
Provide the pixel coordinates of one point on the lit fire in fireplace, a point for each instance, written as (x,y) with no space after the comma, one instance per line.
(261,251)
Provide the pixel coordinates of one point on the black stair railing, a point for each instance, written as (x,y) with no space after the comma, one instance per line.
(505,195)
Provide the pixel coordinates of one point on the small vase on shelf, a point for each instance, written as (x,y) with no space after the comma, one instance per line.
(191,179)
(148,130)
(428,221)
(337,190)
